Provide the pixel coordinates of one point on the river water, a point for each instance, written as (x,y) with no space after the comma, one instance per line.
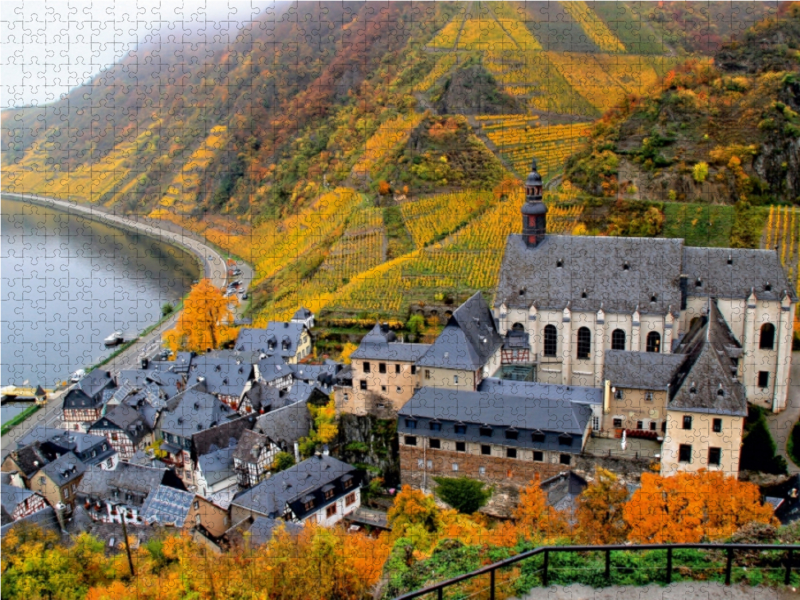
(68,282)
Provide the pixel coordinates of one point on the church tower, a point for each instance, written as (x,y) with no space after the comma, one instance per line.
(534,211)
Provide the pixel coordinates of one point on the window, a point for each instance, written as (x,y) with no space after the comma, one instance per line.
(584,342)
(350,499)
(110,462)
(410,440)
(639,425)
(538,456)
(481,470)
(461,429)
(714,456)
(420,463)
(363,384)
(486,450)
(763,379)
(685,453)
(366,367)
(565,440)
(537,436)
(397,368)
(653,342)
(381,367)
(511,453)
(461,447)
(399,390)
(565,459)
(648,396)
(617,423)
(455,466)
(348,484)
(687,422)
(329,494)
(427,373)
(595,423)
(413,369)
(430,465)
(550,340)
(618,395)
(411,423)
(455,379)
(717,425)
(767,340)
(652,425)
(196,505)
(330,511)
(618,339)
(486,432)
(511,434)
(383,388)
(94,453)
(434,443)
(435,426)
(66,492)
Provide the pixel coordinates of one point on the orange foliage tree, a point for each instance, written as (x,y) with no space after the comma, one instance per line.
(690,507)
(599,510)
(535,519)
(205,322)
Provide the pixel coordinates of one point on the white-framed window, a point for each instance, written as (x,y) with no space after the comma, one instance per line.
(595,423)
(455,379)
(482,470)
(455,467)
(648,396)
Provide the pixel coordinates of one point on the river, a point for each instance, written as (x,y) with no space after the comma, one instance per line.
(68,282)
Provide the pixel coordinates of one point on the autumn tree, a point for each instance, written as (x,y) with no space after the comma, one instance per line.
(535,518)
(414,515)
(690,507)
(599,510)
(324,429)
(506,187)
(205,322)
(347,351)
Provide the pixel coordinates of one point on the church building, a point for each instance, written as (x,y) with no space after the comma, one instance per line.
(563,302)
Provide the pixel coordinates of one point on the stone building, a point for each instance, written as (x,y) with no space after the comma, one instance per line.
(575,297)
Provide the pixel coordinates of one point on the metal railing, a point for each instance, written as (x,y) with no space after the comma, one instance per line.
(546,551)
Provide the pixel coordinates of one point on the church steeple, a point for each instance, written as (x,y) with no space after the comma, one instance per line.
(534,211)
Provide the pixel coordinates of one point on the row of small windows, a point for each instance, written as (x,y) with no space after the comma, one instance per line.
(382,368)
(538,456)
(685,454)
(653,343)
(564,439)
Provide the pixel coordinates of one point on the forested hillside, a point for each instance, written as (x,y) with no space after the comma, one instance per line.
(362,157)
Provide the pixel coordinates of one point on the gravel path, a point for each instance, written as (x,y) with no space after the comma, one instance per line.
(676,591)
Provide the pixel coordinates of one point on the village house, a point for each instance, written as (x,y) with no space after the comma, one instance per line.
(572,298)
(304,317)
(58,481)
(273,371)
(214,473)
(466,352)
(224,375)
(289,340)
(253,458)
(506,432)
(168,506)
(23,463)
(18,502)
(125,429)
(90,449)
(110,496)
(321,489)
(262,398)
(383,374)
(83,404)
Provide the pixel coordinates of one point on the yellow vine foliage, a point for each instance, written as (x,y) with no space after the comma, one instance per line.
(594,27)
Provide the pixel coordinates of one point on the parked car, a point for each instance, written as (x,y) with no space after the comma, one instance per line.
(114,339)
(77,375)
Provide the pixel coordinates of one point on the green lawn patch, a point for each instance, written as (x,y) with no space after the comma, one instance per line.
(19,418)
(793,444)
(707,225)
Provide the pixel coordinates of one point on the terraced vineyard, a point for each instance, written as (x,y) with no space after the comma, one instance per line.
(782,230)
(594,27)
(520,139)
(430,218)
(389,136)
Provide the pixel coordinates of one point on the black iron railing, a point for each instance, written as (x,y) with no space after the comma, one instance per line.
(491,570)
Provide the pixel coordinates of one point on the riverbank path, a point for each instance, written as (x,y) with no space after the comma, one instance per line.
(214,266)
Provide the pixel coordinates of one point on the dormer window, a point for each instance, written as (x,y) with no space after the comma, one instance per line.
(693,388)
(626,266)
(698,282)
(486,431)
(308,505)
(512,434)
(435,426)
(653,298)
(730,259)
(583,295)
(767,287)
(721,392)
(559,263)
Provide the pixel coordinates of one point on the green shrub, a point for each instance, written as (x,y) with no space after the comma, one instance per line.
(700,172)
(464,494)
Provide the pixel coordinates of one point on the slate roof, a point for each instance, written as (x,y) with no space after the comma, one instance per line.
(263,528)
(468,340)
(272,339)
(551,410)
(225,376)
(271,398)
(31,458)
(381,344)
(46,519)
(127,477)
(273,367)
(748,269)
(127,419)
(594,265)
(709,369)
(250,446)
(302,314)
(72,440)
(150,380)
(322,375)
(270,497)
(285,425)
(224,435)
(95,382)
(167,505)
(64,469)
(641,370)
(12,496)
(193,411)
(217,466)
(532,389)
(181,364)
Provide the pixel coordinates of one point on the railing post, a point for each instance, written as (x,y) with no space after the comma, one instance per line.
(608,566)
(491,584)
(789,557)
(440,593)
(669,565)
(729,566)
(544,573)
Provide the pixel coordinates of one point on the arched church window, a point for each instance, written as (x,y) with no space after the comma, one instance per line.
(767,341)
(550,340)
(584,342)
(654,342)
(618,340)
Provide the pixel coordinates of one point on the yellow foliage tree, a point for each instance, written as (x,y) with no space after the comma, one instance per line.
(347,351)
(599,510)
(535,519)
(205,322)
